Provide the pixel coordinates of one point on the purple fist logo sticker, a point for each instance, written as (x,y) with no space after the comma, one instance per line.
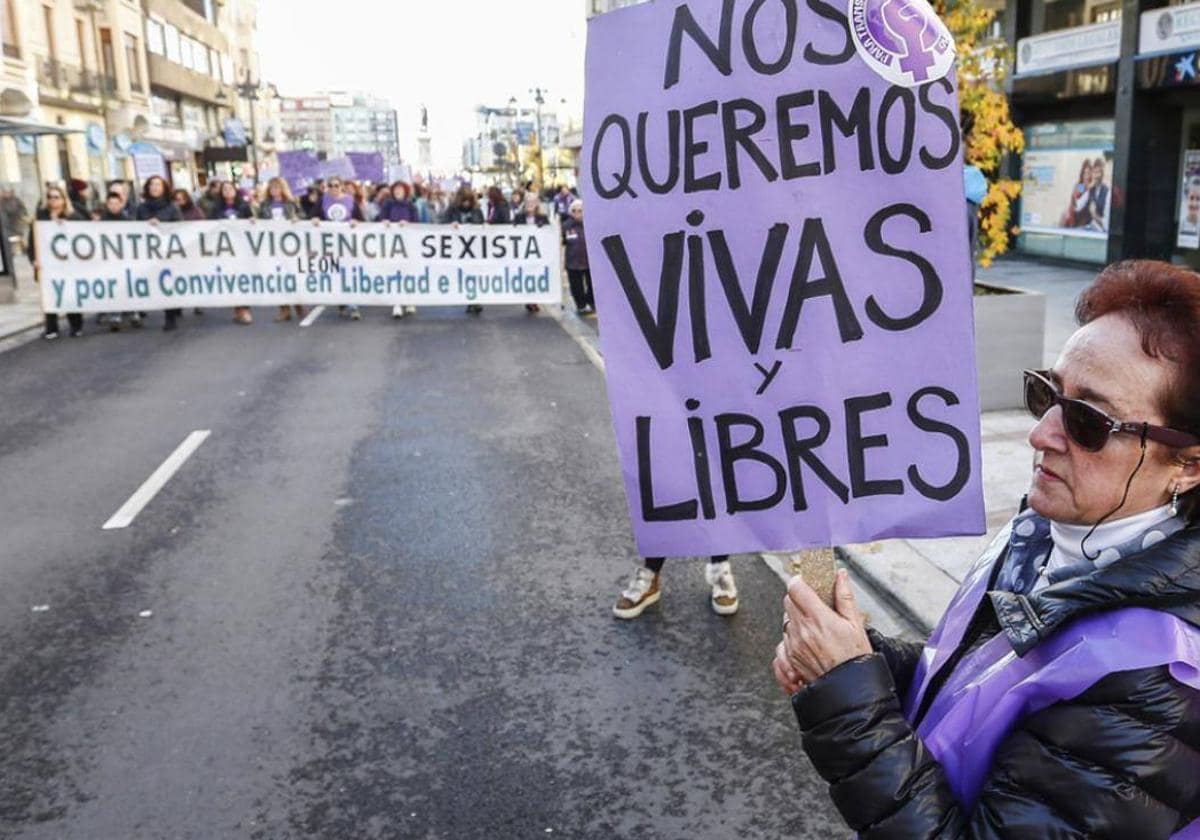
(903,41)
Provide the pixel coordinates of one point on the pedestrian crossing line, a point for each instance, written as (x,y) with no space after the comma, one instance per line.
(157,480)
(312,316)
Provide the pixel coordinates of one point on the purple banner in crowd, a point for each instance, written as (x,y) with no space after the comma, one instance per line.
(338,167)
(299,169)
(368,166)
(778,242)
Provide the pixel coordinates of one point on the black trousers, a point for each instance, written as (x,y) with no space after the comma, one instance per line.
(75,319)
(171,314)
(655,564)
(580,280)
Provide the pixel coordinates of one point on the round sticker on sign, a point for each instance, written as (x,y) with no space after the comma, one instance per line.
(903,41)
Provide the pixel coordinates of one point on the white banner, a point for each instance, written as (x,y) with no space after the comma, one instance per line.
(137,266)
(1081,46)
(1169,29)
(1189,201)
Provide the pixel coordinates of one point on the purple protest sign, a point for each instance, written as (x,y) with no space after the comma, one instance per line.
(299,168)
(338,167)
(779,250)
(368,166)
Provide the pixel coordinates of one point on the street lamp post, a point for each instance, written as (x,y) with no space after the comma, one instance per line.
(539,101)
(252,91)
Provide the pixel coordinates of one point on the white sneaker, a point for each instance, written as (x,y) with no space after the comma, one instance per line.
(410,309)
(397,311)
(641,592)
(724,598)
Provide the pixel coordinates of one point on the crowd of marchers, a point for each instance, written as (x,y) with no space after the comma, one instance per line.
(334,200)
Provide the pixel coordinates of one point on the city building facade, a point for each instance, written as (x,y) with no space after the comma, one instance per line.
(143,86)
(332,123)
(1108,94)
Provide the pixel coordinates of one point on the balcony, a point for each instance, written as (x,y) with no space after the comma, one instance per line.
(72,85)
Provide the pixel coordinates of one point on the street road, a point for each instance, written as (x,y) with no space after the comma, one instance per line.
(373,602)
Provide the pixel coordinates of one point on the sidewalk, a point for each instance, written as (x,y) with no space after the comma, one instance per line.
(918,577)
(26,313)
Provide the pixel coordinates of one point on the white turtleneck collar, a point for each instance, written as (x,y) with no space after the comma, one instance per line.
(1068,539)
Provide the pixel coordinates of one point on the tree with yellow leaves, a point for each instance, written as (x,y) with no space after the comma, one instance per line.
(988,130)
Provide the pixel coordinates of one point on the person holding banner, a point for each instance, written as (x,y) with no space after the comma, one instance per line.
(531,214)
(464,210)
(278,204)
(397,207)
(55,208)
(1060,693)
(339,206)
(157,206)
(114,211)
(231,205)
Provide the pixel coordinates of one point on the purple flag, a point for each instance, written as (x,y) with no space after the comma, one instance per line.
(778,241)
(368,166)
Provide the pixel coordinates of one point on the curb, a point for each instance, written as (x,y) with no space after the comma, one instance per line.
(13,333)
(927,588)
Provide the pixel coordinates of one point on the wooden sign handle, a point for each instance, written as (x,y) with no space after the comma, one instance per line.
(817,567)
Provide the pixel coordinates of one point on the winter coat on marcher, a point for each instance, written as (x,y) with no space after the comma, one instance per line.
(498,214)
(576,257)
(1119,758)
(238,210)
(541,220)
(162,209)
(397,210)
(279,209)
(472,216)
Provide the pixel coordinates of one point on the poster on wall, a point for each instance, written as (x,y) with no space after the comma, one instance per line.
(1066,192)
(1189,202)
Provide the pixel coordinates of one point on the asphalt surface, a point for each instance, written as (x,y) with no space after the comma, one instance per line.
(374,603)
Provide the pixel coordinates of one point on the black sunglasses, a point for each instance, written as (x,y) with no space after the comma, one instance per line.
(1087,425)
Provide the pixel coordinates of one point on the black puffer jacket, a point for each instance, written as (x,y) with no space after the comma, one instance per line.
(1120,760)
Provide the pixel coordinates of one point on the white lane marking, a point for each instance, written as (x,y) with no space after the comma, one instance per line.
(157,480)
(312,316)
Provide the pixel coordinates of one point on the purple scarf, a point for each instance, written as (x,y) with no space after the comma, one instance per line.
(992,688)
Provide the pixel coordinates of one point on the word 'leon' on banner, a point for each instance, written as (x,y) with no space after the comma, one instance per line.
(138,266)
(777,216)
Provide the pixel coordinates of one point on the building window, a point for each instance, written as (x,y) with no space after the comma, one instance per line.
(48,18)
(171,42)
(134,59)
(106,53)
(214,63)
(185,51)
(9,28)
(154,37)
(200,58)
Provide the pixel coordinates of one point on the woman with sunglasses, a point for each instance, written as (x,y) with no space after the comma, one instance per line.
(55,208)
(1060,693)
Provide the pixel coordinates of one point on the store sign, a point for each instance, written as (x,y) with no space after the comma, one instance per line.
(1098,43)
(1172,28)
(1189,201)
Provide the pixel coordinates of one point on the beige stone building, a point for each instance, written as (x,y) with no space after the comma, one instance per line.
(133,79)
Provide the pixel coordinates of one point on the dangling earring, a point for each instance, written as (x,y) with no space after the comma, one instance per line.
(1175,501)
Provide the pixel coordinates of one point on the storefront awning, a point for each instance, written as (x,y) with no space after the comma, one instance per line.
(9,127)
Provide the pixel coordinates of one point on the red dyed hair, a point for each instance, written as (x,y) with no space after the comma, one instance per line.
(1162,301)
